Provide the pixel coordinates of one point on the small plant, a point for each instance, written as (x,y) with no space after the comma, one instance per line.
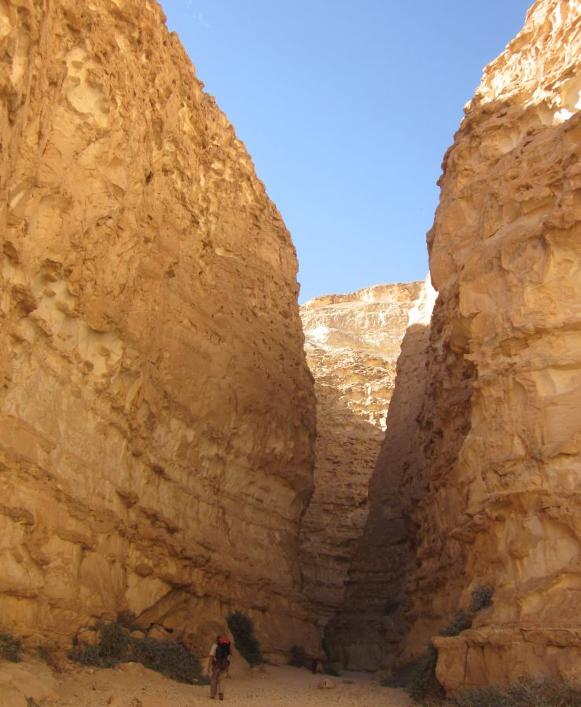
(169,658)
(481,598)
(298,657)
(461,622)
(418,677)
(126,619)
(330,669)
(242,629)
(114,642)
(111,649)
(524,693)
(10,648)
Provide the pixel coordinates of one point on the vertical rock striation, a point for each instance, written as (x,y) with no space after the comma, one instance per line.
(352,344)
(156,412)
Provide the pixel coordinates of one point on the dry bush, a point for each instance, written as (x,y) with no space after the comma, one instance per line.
(242,629)
(10,648)
(169,658)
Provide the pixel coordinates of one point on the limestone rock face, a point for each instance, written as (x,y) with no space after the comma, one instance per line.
(504,434)
(500,427)
(485,489)
(365,631)
(352,345)
(156,412)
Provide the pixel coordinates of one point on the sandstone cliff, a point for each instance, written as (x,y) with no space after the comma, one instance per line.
(156,412)
(352,345)
(506,259)
(500,426)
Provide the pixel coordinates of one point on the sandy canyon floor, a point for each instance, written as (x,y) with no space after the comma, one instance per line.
(131,685)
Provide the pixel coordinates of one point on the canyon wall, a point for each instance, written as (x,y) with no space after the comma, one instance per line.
(352,344)
(498,502)
(505,256)
(156,413)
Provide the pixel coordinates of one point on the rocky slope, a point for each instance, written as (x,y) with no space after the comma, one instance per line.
(500,426)
(352,345)
(156,412)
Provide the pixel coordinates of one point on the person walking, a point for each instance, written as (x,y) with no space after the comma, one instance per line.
(218,664)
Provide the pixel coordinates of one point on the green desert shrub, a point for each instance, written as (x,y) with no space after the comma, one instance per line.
(242,629)
(298,657)
(524,693)
(461,622)
(10,648)
(169,658)
(481,598)
(112,648)
(418,677)
(115,646)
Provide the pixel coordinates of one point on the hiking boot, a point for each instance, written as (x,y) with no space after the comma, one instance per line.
(221,695)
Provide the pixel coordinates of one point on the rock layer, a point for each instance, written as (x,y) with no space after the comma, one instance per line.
(500,426)
(156,412)
(352,345)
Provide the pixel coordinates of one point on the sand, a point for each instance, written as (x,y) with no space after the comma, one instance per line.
(131,685)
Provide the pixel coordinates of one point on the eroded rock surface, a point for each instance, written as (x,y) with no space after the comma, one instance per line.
(506,259)
(156,412)
(500,427)
(352,345)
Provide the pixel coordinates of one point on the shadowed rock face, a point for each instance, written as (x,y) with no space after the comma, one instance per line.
(368,625)
(156,412)
(352,344)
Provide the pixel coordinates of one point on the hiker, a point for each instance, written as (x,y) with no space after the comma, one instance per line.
(218,664)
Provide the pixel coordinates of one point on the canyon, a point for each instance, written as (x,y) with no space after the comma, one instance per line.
(165,453)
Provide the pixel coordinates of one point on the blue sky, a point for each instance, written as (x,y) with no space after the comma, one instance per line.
(347,109)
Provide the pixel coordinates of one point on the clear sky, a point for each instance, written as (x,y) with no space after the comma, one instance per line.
(347,109)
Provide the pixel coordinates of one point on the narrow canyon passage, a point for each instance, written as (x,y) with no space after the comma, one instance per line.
(352,344)
(167,460)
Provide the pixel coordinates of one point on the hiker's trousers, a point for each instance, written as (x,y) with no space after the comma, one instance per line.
(217,682)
